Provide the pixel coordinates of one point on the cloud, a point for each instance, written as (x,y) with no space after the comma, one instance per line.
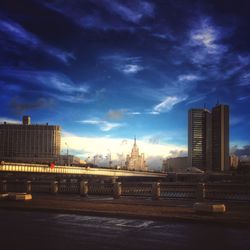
(53,84)
(133,12)
(119,114)
(18,34)
(243,98)
(102,124)
(9,120)
(206,35)
(196,99)
(128,65)
(189,77)
(164,36)
(235,120)
(19,107)
(134,113)
(244,151)
(104,15)
(118,147)
(178,153)
(131,68)
(244,79)
(116,114)
(168,103)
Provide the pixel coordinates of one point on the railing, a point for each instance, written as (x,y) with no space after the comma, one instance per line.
(69,187)
(156,190)
(136,189)
(228,192)
(178,191)
(100,189)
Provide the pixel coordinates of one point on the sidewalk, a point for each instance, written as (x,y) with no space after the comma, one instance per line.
(164,210)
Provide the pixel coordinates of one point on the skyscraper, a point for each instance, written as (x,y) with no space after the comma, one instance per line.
(208,138)
(220,137)
(136,161)
(199,138)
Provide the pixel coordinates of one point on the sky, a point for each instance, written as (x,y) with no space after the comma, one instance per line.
(109,70)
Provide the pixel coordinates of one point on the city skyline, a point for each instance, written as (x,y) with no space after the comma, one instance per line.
(132,68)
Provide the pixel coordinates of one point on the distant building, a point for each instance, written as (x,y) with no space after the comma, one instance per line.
(29,143)
(208,138)
(69,160)
(177,164)
(244,167)
(233,161)
(199,139)
(135,161)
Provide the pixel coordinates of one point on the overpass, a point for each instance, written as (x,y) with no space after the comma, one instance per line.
(9,167)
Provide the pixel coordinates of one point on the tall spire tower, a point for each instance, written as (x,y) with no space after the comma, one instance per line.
(135,161)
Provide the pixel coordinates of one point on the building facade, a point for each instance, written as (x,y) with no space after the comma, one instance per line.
(208,138)
(29,143)
(199,139)
(233,161)
(176,164)
(135,161)
(220,137)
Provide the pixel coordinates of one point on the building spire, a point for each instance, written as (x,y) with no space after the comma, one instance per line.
(218,102)
(135,140)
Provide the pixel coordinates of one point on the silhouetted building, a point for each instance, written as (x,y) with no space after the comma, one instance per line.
(29,143)
(199,139)
(135,161)
(220,137)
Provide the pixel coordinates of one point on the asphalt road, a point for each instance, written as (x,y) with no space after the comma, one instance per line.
(40,230)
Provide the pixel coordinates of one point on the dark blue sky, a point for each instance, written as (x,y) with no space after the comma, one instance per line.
(112,69)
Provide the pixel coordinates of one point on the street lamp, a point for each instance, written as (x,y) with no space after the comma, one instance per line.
(67,153)
(110,161)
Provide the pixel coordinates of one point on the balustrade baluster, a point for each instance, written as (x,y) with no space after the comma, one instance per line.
(84,189)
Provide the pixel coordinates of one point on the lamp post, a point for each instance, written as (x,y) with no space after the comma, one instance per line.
(67,153)
(110,161)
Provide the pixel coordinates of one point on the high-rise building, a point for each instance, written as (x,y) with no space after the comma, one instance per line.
(220,137)
(199,139)
(208,138)
(29,143)
(135,161)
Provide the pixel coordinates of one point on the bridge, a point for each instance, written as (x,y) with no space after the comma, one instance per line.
(9,167)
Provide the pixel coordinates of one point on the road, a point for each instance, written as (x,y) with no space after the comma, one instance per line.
(41,230)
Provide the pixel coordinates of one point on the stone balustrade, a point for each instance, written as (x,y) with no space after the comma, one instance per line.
(155,190)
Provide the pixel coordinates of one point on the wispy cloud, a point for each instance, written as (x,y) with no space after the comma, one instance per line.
(52,83)
(19,107)
(196,99)
(131,11)
(243,98)
(168,103)
(119,114)
(102,124)
(244,79)
(189,77)
(20,35)
(131,68)
(104,15)
(116,114)
(206,35)
(9,120)
(128,65)
(235,120)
